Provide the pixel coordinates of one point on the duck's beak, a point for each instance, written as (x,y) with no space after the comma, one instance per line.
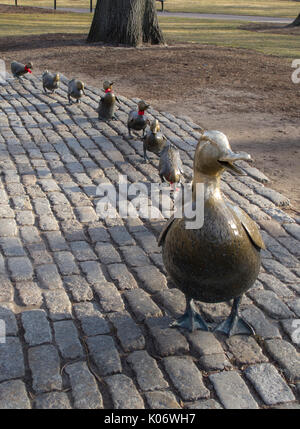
(228,161)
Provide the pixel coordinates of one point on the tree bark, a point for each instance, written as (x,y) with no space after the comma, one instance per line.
(128,22)
(295,23)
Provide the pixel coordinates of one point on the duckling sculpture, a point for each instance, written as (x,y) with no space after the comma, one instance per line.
(170,165)
(154,141)
(107,104)
(221,260)
(137,120)
(19,69)
(51,81)
(75,90)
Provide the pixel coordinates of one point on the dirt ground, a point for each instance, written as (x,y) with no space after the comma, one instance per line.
(247,95)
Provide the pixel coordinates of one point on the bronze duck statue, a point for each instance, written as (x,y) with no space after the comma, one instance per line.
(51,81)
(19,69)
(154,141)
(221,260)
(137,120)
(170,165)
(107,103)
(75,90)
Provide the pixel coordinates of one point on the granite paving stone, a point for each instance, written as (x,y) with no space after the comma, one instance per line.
(109,297)
(128,332)
(286,356)
(149,376)
(82,251)
(8,228)
(13,395)
(93,271)
(84,387)
(48,276)
(262,326)
(142,304)
(66,337)
(39,254)
(205,343)
(36,326)
(123,392)
(269,384)
(245,350)
(271,304)
(232,390)
(66,263)
(91,319)
(214,362)
(150,278)
(20,268)
(208,404)
(52,401)
(58,304)
(12,246)
(105,355)
(6,290)
(186,377)
(45,368)
(11,359)
(161,400)
(78,287)
(124,278)
(85,299)
(107,254)
(56,241)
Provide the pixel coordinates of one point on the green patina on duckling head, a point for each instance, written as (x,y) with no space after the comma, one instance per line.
(137,120)
(142,105)
(107,84)
(107,104)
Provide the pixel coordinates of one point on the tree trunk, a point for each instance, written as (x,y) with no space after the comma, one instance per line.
(295,23)
(128,22)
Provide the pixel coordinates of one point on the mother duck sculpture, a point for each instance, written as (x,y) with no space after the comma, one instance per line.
(221,260)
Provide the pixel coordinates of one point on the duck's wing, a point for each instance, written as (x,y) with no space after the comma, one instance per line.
(165,230)
(249,225)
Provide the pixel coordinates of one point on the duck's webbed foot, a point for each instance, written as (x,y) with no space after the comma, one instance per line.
(234,324)
(190,320)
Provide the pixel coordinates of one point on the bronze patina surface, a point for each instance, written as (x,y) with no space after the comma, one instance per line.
(137,120)
(51,81)
(75,90)
(170,165)
(19,69)
(107,103)
(154,141)
(220,260)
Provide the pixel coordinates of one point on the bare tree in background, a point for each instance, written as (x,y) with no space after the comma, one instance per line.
(128,22)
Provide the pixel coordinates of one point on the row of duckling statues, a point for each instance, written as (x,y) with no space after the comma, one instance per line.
(170,165)
(216,262)
(51,81)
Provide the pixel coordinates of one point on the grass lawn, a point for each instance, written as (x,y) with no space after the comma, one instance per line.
(213,32)
(279,8)
(24,24)
(228,33)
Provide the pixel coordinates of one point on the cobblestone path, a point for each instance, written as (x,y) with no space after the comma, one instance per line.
(86,303)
